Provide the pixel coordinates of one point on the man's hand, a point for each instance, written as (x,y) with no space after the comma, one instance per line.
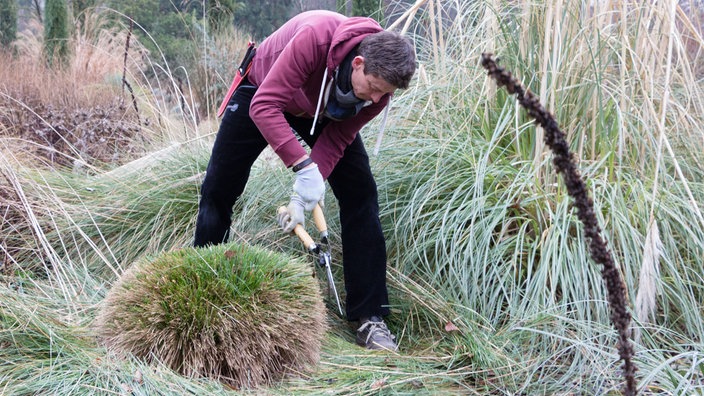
(308,190)
(309,187)
(293,215)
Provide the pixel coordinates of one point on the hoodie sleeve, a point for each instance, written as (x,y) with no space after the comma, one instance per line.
(337,135)
(293,67)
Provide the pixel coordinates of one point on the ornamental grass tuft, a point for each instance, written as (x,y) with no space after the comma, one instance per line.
(565,164)
(237,313)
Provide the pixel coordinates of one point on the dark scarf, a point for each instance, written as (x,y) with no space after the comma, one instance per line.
(342,103)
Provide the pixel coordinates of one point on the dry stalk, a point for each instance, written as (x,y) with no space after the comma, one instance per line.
(565,165)
(124,72)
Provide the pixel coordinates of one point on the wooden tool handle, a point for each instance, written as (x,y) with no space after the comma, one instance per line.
(319,220)
(301,233)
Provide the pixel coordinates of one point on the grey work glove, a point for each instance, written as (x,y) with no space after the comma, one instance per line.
(308,190)
(309,187)
(292,216)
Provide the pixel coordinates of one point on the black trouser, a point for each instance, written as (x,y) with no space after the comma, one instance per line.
(237,146)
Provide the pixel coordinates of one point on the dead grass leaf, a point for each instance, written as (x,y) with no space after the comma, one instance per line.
(378,384)
(450,327)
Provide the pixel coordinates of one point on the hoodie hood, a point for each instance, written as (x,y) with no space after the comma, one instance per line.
(347,36)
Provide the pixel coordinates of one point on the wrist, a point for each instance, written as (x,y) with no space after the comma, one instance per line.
(302,164)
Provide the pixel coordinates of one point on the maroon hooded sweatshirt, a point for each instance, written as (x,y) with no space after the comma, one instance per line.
(288,70)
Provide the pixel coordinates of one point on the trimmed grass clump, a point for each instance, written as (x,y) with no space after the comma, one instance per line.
(237,313)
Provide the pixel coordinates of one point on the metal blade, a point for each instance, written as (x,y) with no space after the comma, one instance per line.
(331,283)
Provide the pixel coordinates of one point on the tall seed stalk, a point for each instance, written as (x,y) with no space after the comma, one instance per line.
(564,164)
(125,83)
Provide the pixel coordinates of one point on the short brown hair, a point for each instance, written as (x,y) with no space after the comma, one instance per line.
(389,56)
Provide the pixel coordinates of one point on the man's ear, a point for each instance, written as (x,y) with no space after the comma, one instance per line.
(358,61)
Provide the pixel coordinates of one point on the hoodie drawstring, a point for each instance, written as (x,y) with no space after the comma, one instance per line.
(320,99)
(380,135)
(324,90)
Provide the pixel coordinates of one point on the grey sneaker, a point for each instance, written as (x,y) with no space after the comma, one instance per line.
(373,334)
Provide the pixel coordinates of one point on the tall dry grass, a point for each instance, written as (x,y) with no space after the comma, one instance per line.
(481,213)
(77,115)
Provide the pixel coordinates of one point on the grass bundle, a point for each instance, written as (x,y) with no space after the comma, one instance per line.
(237,313)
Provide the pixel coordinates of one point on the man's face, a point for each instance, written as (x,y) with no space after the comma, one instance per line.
(367,86)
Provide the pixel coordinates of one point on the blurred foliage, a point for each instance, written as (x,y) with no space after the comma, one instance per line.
(165,27)
(56,33)
(79,8)
(8,22)
(368,8)
(261,18)
(221,13)
(173,28)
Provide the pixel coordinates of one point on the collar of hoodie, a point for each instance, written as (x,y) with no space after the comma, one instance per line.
(324,93)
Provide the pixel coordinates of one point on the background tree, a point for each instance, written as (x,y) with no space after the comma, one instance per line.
(29,7)
(344,7)
(80,6)
(221,13)
(165,27)
(261,18)
(56,34)
(8,22)
(367,8)
(306,5)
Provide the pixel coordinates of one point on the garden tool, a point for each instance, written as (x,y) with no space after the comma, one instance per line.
(321,249)
(240,74)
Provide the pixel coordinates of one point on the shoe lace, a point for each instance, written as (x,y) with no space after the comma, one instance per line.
(378,328)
